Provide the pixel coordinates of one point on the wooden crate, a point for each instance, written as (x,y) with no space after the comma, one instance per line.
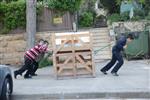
(72,54)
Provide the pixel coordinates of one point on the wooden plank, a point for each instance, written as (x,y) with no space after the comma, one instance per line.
(54,55)
(67,73)
(83,48)
(86,64)
(74,69)
(63,54)
(84,53)
(83,72)
(65,65)
(80,65)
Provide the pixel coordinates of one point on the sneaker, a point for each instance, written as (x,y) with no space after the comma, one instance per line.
(16,73)
(27,76)
(104,72)
(34,74)
(114,74)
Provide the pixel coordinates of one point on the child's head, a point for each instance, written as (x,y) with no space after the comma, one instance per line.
(130,38)
(45,45)
(46,42)
(41,42)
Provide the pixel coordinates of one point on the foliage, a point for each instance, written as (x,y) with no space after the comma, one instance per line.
(148,16)
(118,2)
(87,5)
(39,8)
(138,15)
(7,1)
(86,19)
(45,61)
(13,15)
(124,16)
(4,31)
(64,5)
(110,5)
(147,7)
(114,18)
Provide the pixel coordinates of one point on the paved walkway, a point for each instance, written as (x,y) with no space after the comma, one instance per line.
(133,81)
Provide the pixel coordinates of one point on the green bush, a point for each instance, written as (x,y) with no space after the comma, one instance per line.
(4,31)
(124,16)
(64,5)
(114,18)
(86,19)
(148,16)
(13,15)
(138,15)
(45,61)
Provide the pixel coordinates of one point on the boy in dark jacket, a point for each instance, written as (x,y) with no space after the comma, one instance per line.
(116,55)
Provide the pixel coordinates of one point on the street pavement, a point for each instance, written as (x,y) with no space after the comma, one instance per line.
(133,82)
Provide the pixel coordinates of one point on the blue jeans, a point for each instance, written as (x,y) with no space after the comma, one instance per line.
(116,56)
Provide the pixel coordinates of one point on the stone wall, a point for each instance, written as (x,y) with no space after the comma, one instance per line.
(12,47)
(122,27)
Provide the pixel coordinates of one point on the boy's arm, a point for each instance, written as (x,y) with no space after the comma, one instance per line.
(49,51)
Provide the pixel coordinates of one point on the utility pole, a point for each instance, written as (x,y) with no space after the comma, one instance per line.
(31,22)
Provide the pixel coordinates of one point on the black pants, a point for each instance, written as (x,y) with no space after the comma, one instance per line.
(115,57)
(28,65)
(35,67)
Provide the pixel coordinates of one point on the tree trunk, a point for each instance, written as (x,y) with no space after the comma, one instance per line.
(31,22)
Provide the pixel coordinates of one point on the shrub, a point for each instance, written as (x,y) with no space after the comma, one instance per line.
(86,19)
(114,18)
(124,16)
(138,15)
(45,61)
(4,31)
(64,5)
(148,16)
(12,15)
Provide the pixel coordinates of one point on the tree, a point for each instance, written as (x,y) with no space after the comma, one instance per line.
(31,22)
(110,5)
(147,7)
(7,1)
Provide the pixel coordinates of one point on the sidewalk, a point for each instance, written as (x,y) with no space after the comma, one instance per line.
(133,81)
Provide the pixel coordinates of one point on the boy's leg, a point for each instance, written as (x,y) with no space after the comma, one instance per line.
(110,64)
(35,67)
(119,64)
(29,70)
(23,68)
(27,75)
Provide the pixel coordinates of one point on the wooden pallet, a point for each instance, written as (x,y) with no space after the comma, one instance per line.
(72,54)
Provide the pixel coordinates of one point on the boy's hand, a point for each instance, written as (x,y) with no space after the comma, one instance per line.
(125,47)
